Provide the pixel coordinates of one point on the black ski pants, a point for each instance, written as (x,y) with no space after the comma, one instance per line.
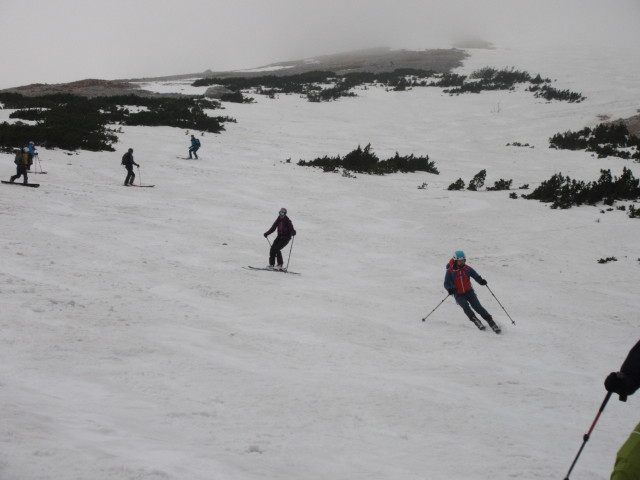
(20,170)
(130,175)
(278,244)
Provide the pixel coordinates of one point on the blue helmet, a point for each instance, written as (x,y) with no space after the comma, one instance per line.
(459,255)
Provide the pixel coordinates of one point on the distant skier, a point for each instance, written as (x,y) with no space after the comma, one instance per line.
(457,281)
(22,163)
(624,383)
(31,150)
(128,162)
(195,146)
(285,232)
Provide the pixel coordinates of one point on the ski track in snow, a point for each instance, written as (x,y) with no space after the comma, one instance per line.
(134,344)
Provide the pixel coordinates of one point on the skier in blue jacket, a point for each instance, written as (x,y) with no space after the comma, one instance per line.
(457,281)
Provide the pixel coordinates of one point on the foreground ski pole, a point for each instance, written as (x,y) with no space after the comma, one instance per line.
(501,305)
(436,307)
(588,434)
(139,176)
(287,267)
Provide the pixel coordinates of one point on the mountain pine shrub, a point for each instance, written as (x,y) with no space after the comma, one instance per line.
(478,180)
(366,161)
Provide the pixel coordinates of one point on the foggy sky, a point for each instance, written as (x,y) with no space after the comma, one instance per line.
(53,41)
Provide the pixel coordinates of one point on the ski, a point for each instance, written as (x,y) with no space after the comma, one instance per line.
(140,186)
(187,158)
(34,185)
(249,267)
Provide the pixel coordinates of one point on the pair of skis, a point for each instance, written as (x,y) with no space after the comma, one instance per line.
(281,270)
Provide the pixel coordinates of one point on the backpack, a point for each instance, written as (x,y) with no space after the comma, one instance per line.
(124,161)
(197,142)
(18,159)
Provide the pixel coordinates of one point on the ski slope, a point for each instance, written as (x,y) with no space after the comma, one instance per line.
(135,346)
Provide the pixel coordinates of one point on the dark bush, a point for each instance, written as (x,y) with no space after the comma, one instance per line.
(457,185)
(477,181)
(365,161)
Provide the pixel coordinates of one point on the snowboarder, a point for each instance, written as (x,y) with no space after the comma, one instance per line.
(624,383)
(128,162)
(285,232)
(22,163)
(195,145)
(457,282)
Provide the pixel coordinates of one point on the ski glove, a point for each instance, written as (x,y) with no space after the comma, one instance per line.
(615,383)
(452,291)
(266,235)
(482,281)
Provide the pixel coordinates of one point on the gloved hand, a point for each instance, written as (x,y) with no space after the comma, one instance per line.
(451,291)
(615,383)
(266,235)
(482,281)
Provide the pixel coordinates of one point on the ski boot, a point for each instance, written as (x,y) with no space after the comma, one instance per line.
(477,323)
(493,325)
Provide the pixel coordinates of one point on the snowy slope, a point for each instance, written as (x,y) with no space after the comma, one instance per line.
(134,345)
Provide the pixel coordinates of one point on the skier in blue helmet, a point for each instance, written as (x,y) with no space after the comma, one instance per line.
(457,281)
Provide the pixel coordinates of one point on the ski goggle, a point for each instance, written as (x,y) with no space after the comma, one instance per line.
(282,213)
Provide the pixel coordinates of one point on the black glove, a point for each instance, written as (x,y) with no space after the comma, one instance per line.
(451,291)
(615,383)
(482,281)
(266,235)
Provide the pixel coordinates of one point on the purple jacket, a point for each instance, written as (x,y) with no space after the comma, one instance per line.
(284,226)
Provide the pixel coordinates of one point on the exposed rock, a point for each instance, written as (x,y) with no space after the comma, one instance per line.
(217,91)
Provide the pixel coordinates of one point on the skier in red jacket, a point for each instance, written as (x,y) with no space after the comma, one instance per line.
(457,282)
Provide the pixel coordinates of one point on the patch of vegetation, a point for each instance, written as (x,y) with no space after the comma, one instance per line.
(549,93)
(606,139)
(365,161)
(322,86)
(72,122)
(564,192)
(457,185)
(501,185)
(607,260)
(477,181)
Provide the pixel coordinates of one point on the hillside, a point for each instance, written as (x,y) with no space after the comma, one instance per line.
(135,345)
(372,60)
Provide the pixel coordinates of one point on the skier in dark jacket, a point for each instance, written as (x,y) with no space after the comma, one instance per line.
(195,145)
(457,281)
(128,162)
(285,232)
(624,383)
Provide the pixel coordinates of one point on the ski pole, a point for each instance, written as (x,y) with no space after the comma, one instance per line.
(448,295)
(267,239)
(291,248)
(139,176)
(588,434)
(501,305)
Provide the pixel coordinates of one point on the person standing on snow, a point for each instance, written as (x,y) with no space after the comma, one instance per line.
(457,281)
(285,232)
(624,383)
(128,162)
(195,145)
(22,162)
(31,150)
